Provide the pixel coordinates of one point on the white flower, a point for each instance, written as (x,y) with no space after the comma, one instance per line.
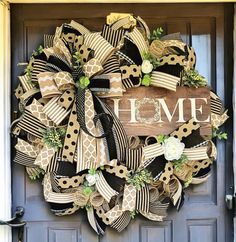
(146,66)
(92,179)
(173,148)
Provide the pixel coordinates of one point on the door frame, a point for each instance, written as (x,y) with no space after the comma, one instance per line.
(5,94)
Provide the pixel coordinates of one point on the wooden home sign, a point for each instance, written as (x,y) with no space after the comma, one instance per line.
(152,111)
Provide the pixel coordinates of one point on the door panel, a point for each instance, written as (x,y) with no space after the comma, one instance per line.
(208,28)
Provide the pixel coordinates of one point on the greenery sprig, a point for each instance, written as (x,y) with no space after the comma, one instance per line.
(161,138)
(87,190)
(140,178)
(133,213)
(83,82)
(38,51)
(188,181)
(53,137)
(154,61)
(92,171)
(156,34)
(29,68)
(77,58)
(192,78)
(36,174)
(146,80)
(179,163)
(216,133)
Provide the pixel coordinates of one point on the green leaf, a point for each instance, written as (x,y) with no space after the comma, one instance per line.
(216,133)
(179,163)
(37,173)
(77,58)
(38,51)
(161,138)
(92,171)
(146,80)
(83,82)
(154,61)
(188,182)
(133,213)
(156,34)
(53,137)
(192,78)
(87,190)
(139,178)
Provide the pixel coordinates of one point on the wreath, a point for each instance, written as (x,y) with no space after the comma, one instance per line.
(72,140)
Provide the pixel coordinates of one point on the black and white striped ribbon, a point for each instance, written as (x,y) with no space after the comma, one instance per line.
(122,222)
(104,188)
(24,159)
(161,79)
(216,104)
(133,158)
(111,65)
(38,67)
(143,199)
(26,82)
(139,40)
(111,35)
(31,124)
(48,40)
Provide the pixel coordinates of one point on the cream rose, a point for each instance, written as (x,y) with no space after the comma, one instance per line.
(173,148)
(92,178)
(146,67)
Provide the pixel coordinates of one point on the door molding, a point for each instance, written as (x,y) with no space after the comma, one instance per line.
(118,1)
(5,83)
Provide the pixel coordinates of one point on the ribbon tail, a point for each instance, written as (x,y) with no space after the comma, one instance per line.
(92,220)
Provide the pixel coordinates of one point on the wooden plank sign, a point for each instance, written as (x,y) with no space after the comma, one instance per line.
(147,111)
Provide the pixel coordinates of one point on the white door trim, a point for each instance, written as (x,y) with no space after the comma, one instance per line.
(5,81)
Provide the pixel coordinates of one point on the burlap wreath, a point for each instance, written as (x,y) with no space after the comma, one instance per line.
(71,139)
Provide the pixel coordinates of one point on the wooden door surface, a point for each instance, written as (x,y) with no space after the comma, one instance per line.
(204,217)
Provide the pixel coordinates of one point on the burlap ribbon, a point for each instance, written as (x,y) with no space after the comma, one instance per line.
(104,188)
(139,40)
(129,199)
(95,199)
(54,197)
(115,87)
(118,20)
(173,52)
(79,27)
(44,157)
(92,67)
(55,111)
(217,120)
(26,148)
(131,75)
(26,82)
(37,111)
(174,189)
(102,48)
(52,84)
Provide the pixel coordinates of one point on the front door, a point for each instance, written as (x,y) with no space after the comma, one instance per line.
(204,216)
